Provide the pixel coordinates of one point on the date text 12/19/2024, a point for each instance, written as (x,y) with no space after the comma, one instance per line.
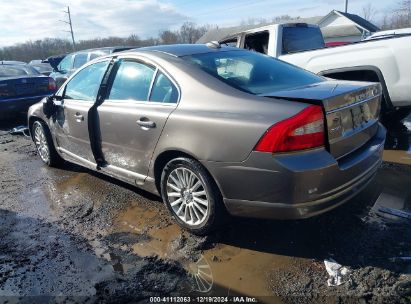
(232,299)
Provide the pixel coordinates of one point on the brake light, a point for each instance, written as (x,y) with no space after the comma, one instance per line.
(52,84)
(302,131)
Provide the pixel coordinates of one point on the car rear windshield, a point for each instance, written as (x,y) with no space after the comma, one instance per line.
(16,71)
(301,38)
(252,72)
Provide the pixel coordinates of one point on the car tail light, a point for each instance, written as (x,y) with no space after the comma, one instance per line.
(302,131)
(52,84)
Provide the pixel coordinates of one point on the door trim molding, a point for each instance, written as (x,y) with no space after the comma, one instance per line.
(76,157)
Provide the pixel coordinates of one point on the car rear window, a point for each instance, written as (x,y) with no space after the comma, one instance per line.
(163,90)
(301,38)
(16,71)
(252,72)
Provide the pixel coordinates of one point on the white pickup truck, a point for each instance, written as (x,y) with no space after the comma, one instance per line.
(386,60)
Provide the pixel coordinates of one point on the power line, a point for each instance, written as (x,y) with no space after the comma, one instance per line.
(71,26)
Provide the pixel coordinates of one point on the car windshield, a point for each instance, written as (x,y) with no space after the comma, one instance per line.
(252,72)
(17,71)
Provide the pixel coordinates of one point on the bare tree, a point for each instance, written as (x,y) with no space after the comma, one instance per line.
(368,12)
(404,11)
(398,17)
(190,33)
(168,37)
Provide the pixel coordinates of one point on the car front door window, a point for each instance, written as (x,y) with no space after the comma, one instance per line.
(86,83)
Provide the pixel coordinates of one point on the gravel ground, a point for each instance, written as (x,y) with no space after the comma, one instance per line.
(78,236)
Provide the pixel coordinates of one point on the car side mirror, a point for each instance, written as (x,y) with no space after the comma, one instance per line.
(49,107)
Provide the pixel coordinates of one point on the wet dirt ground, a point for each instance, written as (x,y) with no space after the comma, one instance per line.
(78,236)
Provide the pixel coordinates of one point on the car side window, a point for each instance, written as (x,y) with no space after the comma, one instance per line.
(80,60)
(163,90)
(86,83)
(132,81)
(257,42)
(65,65)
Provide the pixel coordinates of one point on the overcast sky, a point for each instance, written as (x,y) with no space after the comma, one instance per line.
(22,20)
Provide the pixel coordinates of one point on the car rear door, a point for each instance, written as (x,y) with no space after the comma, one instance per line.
(71,125)
(132,117)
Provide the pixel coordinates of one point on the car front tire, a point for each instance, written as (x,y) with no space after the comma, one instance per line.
(44,144)
(192,196)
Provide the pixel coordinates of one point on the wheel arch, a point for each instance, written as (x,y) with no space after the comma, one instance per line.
(164,157)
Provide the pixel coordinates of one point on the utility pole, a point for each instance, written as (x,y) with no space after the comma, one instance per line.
(346,6)
(71,26)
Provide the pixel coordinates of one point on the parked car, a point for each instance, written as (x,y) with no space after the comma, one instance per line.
(22,86)
(213,129)
(381,59)
(73,61)
(43,68)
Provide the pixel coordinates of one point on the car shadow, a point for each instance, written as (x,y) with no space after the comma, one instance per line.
(350,234)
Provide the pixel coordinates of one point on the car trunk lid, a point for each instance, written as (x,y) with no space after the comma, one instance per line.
(23,86)
(351,111)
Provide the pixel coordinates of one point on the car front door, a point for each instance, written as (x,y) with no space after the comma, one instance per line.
(71,124)
(132,117)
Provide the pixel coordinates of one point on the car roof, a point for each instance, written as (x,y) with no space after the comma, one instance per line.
(107,48)
(180,50)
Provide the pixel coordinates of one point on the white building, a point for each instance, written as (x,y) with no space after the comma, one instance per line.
(343,27)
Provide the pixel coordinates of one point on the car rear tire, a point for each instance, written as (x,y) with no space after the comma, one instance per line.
(44,144)
(192,196)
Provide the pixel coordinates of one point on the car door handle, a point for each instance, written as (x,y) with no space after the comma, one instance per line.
(79,117)
(146,123)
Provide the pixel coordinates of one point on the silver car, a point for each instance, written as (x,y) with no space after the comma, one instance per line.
(216,130)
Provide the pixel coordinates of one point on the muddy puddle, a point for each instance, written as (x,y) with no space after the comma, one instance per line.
(220,270)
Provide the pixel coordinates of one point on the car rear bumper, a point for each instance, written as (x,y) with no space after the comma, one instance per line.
(16,105)
(296,185)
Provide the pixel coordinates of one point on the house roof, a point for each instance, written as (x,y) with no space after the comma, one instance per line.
(359,21)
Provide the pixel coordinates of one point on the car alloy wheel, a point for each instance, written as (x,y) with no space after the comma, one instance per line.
(187,196)
(40,141)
